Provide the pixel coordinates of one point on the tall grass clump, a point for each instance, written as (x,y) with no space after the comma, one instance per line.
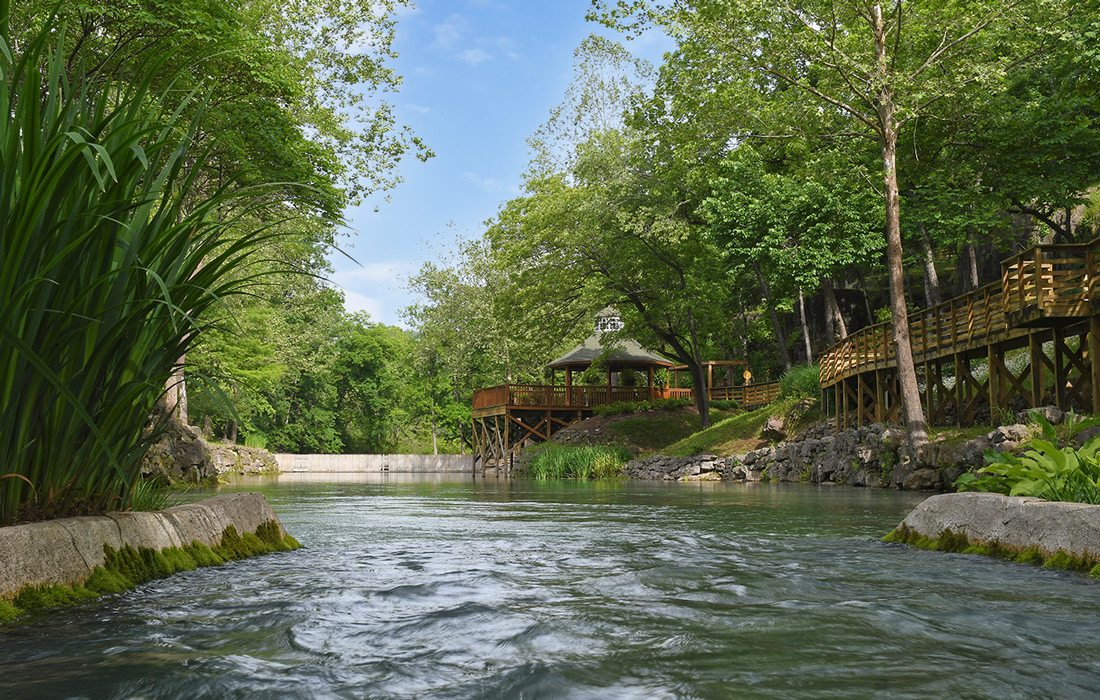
(110,258)
(803,381)
(555,461)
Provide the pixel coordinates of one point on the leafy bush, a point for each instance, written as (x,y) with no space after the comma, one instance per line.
(1042,471)
(551,460)
(803,381)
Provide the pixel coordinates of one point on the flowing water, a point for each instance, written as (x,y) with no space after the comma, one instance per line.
(476,589)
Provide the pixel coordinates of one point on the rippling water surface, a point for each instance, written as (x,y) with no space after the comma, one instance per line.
(491,589)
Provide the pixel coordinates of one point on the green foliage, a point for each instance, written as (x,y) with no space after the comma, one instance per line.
(551,460)
(112,267)
(803,381)
(1042,471)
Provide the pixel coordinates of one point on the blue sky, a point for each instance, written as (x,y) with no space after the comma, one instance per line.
(480,76)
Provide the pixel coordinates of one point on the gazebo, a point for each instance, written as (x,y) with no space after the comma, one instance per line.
(621,357)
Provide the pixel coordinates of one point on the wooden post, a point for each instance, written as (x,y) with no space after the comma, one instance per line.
(1035,353)
(710,377)
(993,383)
(1094,360)
(652,389)
(880,397)
(960,390)
(568,386)
(1059,368)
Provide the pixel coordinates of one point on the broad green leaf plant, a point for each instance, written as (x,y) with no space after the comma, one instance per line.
(1042,471)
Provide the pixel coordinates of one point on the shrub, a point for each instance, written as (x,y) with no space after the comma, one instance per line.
(1042,471)
(803,381)
(551,460)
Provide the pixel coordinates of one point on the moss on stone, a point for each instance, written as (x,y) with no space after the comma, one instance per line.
(127,567)
(957,542)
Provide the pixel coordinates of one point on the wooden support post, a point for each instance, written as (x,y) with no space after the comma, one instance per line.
(1094,361)
(1035,354)
(960,390)
(929,409)
(1059,337)
(652,389)
(710,377)
(880,397)
(860,401)
(993,383)
(568,386)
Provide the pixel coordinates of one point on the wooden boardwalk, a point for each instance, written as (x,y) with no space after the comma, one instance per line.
(510,416)
(1026,340)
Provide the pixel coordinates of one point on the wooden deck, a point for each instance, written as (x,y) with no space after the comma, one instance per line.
(1047,296)
(579,397)
(510,416)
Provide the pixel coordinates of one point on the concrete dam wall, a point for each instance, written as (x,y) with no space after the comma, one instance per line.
(360,464)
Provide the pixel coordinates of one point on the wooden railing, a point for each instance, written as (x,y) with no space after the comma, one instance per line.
(1045,285)
(583,396)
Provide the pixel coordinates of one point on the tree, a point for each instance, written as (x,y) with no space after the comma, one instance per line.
(874,67)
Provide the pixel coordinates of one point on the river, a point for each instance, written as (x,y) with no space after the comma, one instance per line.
(440,588)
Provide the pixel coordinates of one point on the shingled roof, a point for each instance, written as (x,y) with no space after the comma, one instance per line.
(624,353)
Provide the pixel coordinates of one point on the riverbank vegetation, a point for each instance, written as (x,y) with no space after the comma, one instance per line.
(551,460)
(173,173)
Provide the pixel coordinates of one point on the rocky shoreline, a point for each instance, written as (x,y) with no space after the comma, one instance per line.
(869,456)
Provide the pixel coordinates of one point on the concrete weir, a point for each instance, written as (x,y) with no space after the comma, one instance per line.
(369,464)
(67,551)
(1012,523)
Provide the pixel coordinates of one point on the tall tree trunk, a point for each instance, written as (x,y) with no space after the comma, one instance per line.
(777,329)
(972,266)
(911,407)
(932,294)
(702,396)
(833,313)
(435,440)
(175,394)
(805,327)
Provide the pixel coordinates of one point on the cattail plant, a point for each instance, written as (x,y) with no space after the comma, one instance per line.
(110,260)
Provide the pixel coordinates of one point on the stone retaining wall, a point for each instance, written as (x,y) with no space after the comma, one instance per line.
(1017,524)
(66,551)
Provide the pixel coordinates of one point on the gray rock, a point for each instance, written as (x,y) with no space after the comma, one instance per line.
(1018,523)
(1052,413)
(921,480)
(775,429)
(1016,433)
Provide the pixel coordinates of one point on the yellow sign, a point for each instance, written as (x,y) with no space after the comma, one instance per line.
(748,376)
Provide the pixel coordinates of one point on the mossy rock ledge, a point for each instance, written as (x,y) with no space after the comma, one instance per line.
(59,562)
(1028,530)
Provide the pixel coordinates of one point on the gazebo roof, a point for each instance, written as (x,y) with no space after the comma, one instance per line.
(624,353)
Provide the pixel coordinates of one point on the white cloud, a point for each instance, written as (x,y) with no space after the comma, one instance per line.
(449,31)
(419,109)
(354,301)
(474,57)
(393,271)
(507,47)
(490,185)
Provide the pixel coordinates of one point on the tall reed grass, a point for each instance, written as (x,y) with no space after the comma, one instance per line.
(104,279)
(554,461)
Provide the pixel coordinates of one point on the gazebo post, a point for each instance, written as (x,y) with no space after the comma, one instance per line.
(652,389)
(568,386)
(609,383)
